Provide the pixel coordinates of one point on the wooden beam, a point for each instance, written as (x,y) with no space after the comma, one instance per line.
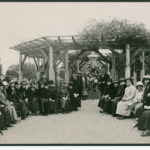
(20,67)
(104,58)
(127,68)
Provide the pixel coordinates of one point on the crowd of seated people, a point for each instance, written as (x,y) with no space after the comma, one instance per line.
(20,100)
(123,100)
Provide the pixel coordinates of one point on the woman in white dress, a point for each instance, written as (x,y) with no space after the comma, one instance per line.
(122,108)
(137,101)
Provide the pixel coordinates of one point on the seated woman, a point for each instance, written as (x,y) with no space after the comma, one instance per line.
(144,118)
(118,96)
(74,97)
(9,107)
(43,98)
(112,96)
(106,96)
(21,104)
(122,107)
(33,99)
(63,96)
(53,98)
(137,101)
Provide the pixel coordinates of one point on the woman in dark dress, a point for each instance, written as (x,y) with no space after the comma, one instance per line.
(54,104)
(106,96)
(144,118)
(118,97)
(63,96)
(73,97)
(32,96)
(76,85)
(43,98)
(113,93)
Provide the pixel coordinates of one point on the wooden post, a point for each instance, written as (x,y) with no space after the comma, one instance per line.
(66,67)
(38,71)
(113,70)
(143,65)
(108,71)
(51,68)
(78,67)
(135,75)
(20,67)
(127,68)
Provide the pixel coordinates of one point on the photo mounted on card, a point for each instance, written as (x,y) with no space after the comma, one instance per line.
(74,73)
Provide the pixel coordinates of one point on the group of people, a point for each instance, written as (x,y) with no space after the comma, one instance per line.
(122,99)
(19,100)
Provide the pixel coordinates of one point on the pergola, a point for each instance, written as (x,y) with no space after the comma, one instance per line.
(45,49)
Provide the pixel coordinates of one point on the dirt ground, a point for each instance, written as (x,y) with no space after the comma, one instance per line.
(87,126)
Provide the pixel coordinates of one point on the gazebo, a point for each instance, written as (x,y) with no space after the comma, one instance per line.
(45,49)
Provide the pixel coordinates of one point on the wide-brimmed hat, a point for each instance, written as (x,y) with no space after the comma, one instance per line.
(17,83)
(115,81)
(24,82)
(139,83)
(146,77)
(51,82)
(62,82)
(12,81)
(122,79)
(109,80)
(5,83)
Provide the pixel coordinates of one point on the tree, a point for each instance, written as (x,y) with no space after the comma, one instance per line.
(115,34)
(29,71)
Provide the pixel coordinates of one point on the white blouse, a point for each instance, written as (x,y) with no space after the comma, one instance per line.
(129,92)
(138,96)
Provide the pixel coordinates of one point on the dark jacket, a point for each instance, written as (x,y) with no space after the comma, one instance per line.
(23,93)
(146,99)
(114,92)
(120,91)
(108,90)
(32,94)
(53,94)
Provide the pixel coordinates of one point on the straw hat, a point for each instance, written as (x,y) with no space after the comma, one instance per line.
(139,83)
(5,83)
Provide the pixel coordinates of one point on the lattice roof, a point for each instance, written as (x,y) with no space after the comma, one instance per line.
(59,43)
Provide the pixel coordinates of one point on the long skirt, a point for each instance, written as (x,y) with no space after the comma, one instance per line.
(34,106)
(101,103)
(68,105)
(2,120)
(108,106)
(6,114)
(63,103)
(114,106)
(52,106)
(137,109)
(74,103)
(22,107)
(13,113)
(77,101)
(144,121)
(44,106)
(123,109)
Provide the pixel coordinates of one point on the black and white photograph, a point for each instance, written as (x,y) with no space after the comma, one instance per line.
(74,73)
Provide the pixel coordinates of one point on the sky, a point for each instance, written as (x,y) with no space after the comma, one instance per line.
(21,22)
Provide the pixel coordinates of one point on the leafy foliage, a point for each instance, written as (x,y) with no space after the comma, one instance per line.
(29,71)
(116,33)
